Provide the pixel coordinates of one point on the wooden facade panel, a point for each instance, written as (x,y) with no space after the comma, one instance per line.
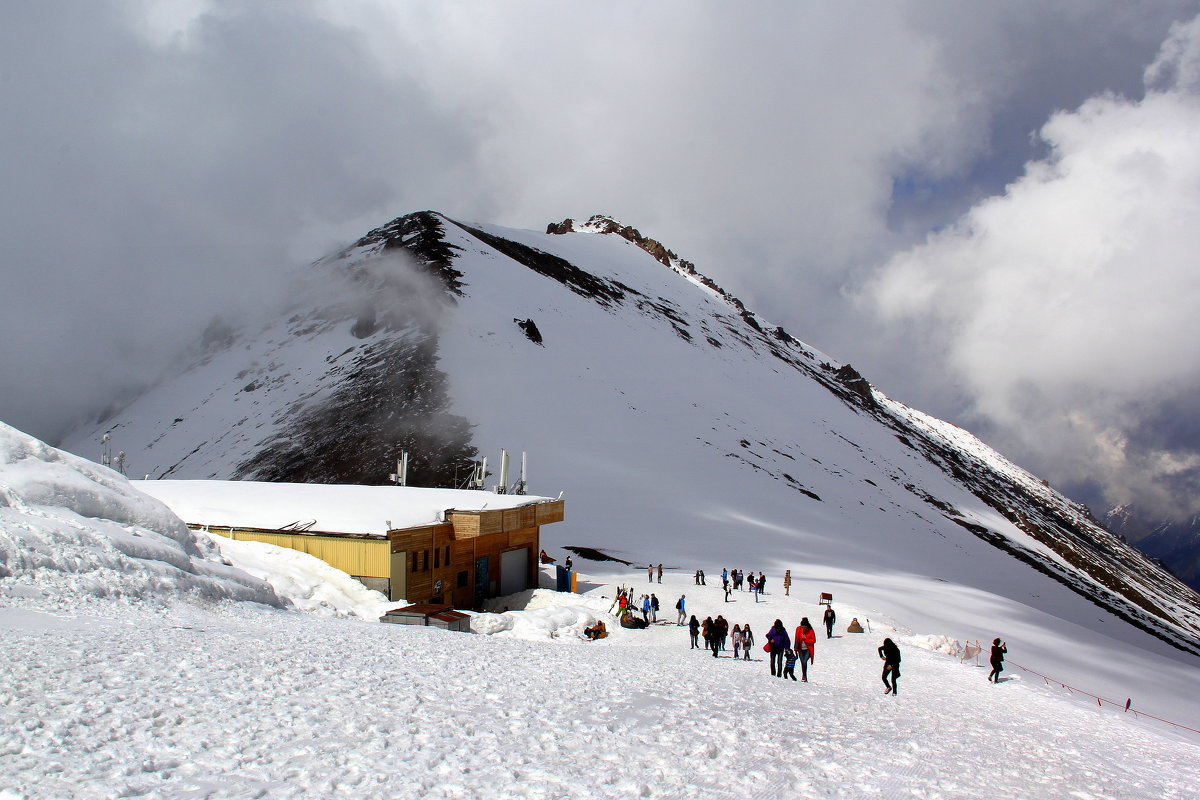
(466,526)
(491,522)
(419,538)
(523,537)
(549,512)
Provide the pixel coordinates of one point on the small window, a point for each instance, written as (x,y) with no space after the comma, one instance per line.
(462,579)
(416,567)
(437,558)
(424,560)
(446,560)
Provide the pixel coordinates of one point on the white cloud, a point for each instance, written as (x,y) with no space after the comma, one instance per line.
(1066,307)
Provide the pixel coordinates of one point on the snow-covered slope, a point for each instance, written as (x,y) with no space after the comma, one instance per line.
(155,690)
(682,428)
(71,530)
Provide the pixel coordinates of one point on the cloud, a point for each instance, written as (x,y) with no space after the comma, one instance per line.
(167,161)
(1064,308)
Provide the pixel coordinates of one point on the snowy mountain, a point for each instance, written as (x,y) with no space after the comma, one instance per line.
(1175,544)
(682,427)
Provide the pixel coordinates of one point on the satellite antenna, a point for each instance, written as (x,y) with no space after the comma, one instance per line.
(502,487)
(121,462)
(400,476)
(479,475)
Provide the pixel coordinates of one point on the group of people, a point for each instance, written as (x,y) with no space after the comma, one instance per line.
(785,651)
(717,636)
(647,604)
(734,581)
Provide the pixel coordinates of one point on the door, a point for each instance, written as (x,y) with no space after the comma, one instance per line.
(514,571)
(399,588)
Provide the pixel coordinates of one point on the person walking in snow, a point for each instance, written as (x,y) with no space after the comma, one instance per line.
(829,619)
(702,583)
(694,630)
(654,607)
(726,590)
(736,638)
(696,577)
(650,572)
(762,583)
(999,648)
(777,642)
(724,574)
(646,608)
(706,628)
(660,573)
(805,643)
(891,665)
(681,607)
(754,588)
(789,664)
(720,633)
(567,563)
(747,642)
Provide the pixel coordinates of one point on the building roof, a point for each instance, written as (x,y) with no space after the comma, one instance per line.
(317,507)
(437,611)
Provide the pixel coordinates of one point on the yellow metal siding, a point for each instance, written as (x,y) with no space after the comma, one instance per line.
(368,558)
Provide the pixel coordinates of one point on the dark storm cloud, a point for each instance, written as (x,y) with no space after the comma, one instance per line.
(149,184)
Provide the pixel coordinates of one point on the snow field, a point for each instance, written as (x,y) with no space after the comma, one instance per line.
(244,701)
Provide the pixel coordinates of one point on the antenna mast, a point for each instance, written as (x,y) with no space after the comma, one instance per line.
(502,487)
(521,484)
(400,476)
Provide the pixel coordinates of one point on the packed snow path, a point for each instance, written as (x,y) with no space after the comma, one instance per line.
(242,701)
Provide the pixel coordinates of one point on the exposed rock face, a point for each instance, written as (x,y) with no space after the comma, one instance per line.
(531,330)
(1174,544)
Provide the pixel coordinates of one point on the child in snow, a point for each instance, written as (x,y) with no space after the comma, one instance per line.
(789,664)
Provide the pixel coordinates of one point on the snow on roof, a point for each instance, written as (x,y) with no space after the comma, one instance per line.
(319,507)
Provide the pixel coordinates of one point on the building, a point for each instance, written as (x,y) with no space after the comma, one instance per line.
(444,546)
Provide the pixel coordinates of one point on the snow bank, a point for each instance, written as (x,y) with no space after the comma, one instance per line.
(306,581)
(75,528)
(935,643)
(543,614)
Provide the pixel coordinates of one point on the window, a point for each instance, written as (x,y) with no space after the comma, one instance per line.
(437,558)
(462,579)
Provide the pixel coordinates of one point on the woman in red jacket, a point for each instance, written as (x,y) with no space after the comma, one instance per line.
(805,644)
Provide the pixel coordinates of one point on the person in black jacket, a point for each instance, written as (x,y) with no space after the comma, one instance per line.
(999,648)
(829,619)
(891,665)
(694,630)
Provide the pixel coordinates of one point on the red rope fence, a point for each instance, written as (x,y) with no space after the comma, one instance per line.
(1100,701)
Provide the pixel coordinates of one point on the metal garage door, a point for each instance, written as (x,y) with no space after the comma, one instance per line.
(514,571)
